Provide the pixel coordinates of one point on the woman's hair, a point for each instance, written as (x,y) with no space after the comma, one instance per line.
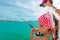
(55,21)
(51,1)
(56,25)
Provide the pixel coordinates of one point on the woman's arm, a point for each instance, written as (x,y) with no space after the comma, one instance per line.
(58,11)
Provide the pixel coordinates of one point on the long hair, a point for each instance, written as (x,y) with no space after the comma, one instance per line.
(51,1)
(56,26)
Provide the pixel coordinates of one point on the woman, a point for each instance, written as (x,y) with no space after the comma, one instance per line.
(49,31)
(46,28)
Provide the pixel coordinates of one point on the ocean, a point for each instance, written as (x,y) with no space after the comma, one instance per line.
(18,30)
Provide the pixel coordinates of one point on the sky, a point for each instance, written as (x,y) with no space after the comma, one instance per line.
(29,10)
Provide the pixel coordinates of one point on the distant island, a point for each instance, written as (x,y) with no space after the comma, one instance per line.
(13,21)
(6,20)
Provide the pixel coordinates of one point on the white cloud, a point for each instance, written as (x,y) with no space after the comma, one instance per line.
(22,4)
(56,3)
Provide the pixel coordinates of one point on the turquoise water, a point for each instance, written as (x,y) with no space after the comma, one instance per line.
(16,30)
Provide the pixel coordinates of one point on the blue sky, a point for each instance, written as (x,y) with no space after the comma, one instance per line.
(14,9)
